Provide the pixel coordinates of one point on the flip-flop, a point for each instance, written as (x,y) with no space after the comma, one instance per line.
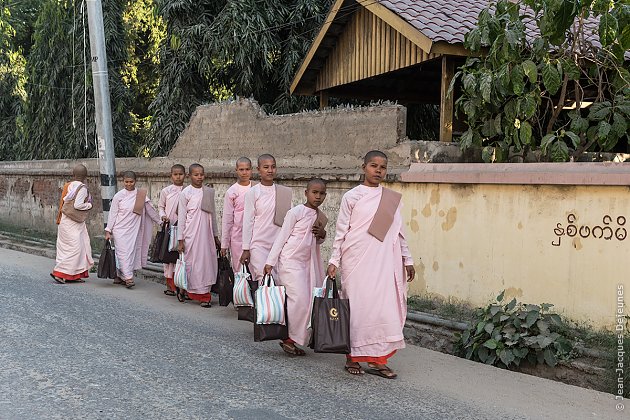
(354,370)
(169,293)
(129,284)
(382,372)
(57,279)
(292,349)
(205,304)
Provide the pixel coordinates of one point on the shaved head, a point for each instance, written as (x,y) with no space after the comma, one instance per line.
(79,172)
(195,166)
(372,154)
(316,181)
(266,156)
(243,160)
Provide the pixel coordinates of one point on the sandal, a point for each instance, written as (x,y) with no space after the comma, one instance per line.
(180,296)
(57,279)
(354,369)
(118,280)
(383,371)
(205,304)
(129,284)
(292,349)
(168,292)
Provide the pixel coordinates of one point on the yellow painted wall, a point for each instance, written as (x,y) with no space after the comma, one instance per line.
(475,240)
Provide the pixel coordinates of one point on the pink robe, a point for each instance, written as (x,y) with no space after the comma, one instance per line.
(131,232)
(197,229)
(167,206)
(259,231)
(74,252)
(295,254)
(232,222)
(373,276)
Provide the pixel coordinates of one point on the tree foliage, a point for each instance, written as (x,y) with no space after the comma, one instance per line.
(217,49)
(516,92)
(59,120)
(12,94)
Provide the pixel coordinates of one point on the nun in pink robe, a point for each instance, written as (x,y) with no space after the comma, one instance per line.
(167,207)
(372,276)
(296,256)
(259,228)
(74,252)
(232,222)
(197,229)
(131,232)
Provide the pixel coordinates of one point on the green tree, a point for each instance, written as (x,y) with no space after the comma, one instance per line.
(12,94)
(145,31)
(216,49)
(182,87)
(516,91)
(58,103)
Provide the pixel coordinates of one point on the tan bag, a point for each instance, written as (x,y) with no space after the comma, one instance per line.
(71,213)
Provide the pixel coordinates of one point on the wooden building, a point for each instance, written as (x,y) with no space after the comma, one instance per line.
(403,50)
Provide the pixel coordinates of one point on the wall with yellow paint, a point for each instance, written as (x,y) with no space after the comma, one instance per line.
(564,245)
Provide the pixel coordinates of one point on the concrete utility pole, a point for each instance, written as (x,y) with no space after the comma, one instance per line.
(104,132)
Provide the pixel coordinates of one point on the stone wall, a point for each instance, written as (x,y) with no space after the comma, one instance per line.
(325,140)
(30,191)
(474,229)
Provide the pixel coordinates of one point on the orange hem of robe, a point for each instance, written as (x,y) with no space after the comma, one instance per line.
(170,284)
(379,360)
(200,297)
(71,277)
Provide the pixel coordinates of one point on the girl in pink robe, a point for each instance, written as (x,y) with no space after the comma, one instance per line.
(299,263)
(167,208)
(233,210)
(261,219)
(74,252)
(373,274)
(195,230)
(131,231)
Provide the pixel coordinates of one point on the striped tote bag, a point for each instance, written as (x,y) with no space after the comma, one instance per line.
(270,303)
(241,294)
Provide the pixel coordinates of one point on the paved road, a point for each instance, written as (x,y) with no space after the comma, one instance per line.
(95,350)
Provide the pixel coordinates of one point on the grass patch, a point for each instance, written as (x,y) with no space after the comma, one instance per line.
(580,333)
(450,308)
(34,233)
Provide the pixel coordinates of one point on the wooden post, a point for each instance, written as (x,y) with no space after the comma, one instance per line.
(446,101)
(323,99)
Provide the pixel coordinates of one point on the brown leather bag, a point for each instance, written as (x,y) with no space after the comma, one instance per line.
(71,213)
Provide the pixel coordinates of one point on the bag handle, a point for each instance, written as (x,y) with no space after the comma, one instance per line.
(333,287)
(268,281)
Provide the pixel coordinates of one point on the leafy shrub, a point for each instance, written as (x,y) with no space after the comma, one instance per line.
(507,334)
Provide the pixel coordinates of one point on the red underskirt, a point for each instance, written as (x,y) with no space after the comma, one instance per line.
(381,360)
(200,297)
(170,284)
(71,277)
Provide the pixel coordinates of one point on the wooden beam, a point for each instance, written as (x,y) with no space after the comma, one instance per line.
(320,36)
(323,99)
(443,47)
(446,100)
(398,23)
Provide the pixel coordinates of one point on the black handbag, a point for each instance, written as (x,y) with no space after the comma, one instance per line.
(166,256)
(330,322)
(268,332)
(225,282)
(107,262)
(246,313)
(156,245)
